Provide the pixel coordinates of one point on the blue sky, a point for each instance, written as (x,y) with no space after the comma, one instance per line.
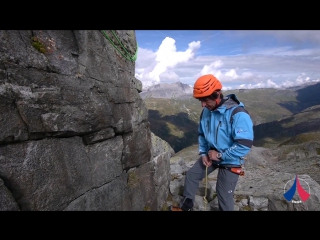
(238,58)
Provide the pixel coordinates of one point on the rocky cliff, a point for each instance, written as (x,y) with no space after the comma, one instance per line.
(74,133)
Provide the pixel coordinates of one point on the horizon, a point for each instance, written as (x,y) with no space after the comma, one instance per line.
(279,88)
(240,59)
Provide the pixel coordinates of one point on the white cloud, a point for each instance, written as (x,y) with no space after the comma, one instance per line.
(212,68)
(274,66)
(232,74)
(166,58)
(170,76)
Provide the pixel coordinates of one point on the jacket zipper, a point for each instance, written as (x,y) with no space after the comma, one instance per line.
(217,132)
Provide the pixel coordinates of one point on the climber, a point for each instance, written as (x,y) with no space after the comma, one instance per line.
(225,137)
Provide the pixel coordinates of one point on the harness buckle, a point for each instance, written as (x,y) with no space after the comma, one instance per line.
(237,170)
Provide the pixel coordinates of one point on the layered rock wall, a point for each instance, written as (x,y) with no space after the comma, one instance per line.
(74,133)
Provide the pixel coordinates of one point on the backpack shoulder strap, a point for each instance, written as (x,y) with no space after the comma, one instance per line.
(236,110)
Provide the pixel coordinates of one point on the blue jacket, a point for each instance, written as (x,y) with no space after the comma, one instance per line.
(234,140)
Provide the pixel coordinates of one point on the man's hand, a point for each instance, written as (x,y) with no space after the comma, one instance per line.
(206,161)
(213,155)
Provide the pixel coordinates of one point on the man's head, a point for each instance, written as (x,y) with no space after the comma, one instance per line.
(207,89)
(206,85)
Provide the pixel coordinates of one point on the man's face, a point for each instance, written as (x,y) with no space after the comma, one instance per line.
(208,103)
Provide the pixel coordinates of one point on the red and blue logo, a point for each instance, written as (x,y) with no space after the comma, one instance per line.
(296,187)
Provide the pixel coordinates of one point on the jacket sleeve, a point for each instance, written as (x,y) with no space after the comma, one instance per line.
(203,144)
(242,134)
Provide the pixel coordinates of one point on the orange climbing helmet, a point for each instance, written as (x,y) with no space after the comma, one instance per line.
(205,86)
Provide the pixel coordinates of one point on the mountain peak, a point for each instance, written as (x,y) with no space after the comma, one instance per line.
(167,90)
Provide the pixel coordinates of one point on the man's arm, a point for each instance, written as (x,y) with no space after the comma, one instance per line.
(242,133)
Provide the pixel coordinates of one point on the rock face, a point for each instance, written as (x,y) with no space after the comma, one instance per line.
(74,133)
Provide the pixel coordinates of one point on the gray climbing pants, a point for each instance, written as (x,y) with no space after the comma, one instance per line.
(226,184)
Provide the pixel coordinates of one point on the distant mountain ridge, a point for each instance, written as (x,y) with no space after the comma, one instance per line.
(295,88)
(167,90)
(182,90)
(278,114)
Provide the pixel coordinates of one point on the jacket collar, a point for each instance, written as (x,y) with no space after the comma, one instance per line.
(227,102)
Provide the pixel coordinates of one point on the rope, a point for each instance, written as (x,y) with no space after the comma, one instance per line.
(127,56)
(205,191)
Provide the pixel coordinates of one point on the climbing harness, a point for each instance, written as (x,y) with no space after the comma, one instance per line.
(126,55)
(236,170)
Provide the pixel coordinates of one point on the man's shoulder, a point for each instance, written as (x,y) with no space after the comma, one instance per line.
(239,108)
(204,111)
(232,98)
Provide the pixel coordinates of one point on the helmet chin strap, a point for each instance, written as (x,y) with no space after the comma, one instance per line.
(218,100)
